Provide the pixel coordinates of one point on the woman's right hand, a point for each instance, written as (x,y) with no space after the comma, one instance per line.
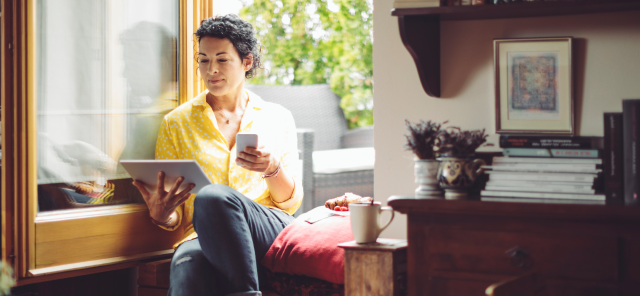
(163,203)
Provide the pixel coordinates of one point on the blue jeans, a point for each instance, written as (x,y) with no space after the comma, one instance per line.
(234,233)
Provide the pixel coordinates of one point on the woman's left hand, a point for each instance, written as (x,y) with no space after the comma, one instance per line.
(258,160)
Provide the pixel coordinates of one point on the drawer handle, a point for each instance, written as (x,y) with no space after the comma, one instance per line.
(519,257)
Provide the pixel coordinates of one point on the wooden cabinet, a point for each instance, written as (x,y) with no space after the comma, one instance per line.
(420,27)
(461,247)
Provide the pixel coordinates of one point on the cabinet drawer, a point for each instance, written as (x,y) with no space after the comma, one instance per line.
(570,256)
(452,286)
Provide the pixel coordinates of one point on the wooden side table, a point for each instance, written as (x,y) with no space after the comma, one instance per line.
(375,269)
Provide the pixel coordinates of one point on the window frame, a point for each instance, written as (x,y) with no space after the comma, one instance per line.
(65,243)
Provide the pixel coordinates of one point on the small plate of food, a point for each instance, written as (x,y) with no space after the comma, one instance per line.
(340,205)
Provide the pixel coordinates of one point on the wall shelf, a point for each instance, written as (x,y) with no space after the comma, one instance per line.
(420,27)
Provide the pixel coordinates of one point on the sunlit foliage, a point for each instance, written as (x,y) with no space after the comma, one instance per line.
(319,41)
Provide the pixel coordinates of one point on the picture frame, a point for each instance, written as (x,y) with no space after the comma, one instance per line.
(534,86)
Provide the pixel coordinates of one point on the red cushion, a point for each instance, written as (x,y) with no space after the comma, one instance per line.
(311,249)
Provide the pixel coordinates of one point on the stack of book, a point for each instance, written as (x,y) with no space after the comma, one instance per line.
(550,176)
(415,3)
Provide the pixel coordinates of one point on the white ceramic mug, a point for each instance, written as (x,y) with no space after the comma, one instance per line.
(365,221)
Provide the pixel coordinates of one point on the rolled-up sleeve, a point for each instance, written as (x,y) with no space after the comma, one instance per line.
(166,149)
(291,163)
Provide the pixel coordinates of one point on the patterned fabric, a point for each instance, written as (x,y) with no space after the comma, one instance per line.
(105,196)
(100,195)
(191,132)
(299,285)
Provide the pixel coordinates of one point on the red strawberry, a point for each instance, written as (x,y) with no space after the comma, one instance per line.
(344,209)
(337,208)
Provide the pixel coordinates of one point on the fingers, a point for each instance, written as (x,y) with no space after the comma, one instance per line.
(176,186)
(254,166)
(259,152)
(187,190)
(182,196)
(248,157)
(160,181)
(142,188)
(257,160)
(255,155)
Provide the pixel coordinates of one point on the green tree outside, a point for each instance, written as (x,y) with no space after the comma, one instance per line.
(319,41)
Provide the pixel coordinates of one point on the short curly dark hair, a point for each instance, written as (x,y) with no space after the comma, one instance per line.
(239,32)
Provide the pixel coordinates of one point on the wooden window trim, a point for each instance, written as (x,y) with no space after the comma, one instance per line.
(68,243)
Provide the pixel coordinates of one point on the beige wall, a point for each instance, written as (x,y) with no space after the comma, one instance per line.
(607,69)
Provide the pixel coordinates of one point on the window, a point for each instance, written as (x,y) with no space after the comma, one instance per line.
(106,75)
(83,83)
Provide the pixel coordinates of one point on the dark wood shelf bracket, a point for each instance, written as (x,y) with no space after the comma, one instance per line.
(420,34)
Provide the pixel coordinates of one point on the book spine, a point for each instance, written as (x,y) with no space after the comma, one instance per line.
(510,141)
(542,170)
(542,195)
(543,200)
(542,166)
(630,113)
(554,177)
(504,159)
(527,184)
(586,153)
(531,152)
(539,189)
(580,153)
(612,157)
(543,152)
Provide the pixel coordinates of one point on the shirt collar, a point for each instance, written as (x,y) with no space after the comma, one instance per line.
(201,99)
(256,103)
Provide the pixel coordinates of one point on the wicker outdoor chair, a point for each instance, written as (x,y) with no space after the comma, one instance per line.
(343,158)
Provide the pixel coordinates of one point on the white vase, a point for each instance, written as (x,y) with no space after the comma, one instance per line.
(426,171)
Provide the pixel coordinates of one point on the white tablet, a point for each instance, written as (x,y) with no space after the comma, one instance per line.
(146,170)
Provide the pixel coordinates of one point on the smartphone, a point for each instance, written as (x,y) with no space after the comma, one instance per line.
(245,140)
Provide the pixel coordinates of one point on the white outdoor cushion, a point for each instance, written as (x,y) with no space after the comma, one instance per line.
(343,160)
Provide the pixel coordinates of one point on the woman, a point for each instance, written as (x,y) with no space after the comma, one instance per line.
(229,225)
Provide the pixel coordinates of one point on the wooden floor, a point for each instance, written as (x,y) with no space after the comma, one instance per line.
(113,283)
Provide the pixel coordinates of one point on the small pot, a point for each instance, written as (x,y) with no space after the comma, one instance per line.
(457,174)
(426,172)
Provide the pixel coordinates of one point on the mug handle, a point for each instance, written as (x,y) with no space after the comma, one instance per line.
(478,167)
(380,229)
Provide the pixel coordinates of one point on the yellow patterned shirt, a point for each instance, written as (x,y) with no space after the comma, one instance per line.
(191,132)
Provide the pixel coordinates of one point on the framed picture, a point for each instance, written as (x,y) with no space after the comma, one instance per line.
(534,86)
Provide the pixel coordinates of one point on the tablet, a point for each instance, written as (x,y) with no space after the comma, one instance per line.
(146,170)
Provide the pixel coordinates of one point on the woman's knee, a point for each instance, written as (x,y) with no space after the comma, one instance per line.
(190,270)
(214,196)
(188,266)
(187,259)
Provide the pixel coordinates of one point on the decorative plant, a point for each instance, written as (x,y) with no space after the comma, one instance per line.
(422,137)
(6,278)
(455,142)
